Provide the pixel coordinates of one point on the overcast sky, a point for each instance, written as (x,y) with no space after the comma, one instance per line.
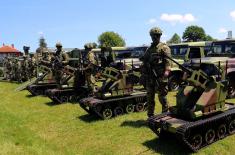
(76,22)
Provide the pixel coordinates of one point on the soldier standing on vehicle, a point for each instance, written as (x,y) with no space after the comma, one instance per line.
(90,69)
(60,59)
(60,53)
(156,69)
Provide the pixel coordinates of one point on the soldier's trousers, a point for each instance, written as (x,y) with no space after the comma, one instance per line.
(162,90)
(90,84)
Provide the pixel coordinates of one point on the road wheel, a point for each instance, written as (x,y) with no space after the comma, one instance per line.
(130,108)
(231,127)
(210,136)
(107,113)
(196,141)
(118,111)
(139,107)
(64,99)
(221,131)
(73,98)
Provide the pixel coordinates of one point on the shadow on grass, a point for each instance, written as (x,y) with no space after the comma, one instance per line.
(166,146)
(89,118)
(30,95)
(52,103)
(135,124)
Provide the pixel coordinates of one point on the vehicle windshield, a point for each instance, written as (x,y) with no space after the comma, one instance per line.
(135,53)
(179,50)
(216,49)
(223,48)
(123,54)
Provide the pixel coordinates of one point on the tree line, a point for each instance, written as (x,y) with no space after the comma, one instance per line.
(192,33)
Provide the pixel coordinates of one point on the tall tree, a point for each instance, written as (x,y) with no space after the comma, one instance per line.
(194,33)
(175,39)
(209,38)
(110,39)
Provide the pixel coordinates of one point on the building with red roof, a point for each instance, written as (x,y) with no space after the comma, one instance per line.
(8,51)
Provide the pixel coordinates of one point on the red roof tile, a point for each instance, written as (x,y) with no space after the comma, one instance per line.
(8,49)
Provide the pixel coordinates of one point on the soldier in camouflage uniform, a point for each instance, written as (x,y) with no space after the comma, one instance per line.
(60,59)
(90,69)
(25,64)
(7,64)
(156,68)
(46,58)
(25,68)
(17,70)
(32,67)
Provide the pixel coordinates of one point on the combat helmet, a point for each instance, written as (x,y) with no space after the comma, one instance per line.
(155,31)
(58,44)
(89,46)
(25,48)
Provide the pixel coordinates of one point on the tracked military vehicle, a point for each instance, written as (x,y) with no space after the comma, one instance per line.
(74,89)
(46,79)
(43,82)
(116,96)
(201,115)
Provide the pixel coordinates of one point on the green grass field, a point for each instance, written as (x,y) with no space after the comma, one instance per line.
(33,125)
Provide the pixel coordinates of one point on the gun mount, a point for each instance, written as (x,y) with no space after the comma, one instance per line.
(72,87)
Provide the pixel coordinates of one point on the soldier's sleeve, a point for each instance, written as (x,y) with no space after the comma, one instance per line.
(66,58)
(91,58)
(167,51)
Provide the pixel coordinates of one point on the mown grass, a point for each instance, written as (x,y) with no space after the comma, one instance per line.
(32,125)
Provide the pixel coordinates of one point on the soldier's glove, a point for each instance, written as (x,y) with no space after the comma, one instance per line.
(167,73)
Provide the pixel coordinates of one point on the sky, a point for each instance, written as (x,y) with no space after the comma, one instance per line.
(76,22)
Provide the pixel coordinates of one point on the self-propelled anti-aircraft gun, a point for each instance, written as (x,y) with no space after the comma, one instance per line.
(201,115)
(116,95)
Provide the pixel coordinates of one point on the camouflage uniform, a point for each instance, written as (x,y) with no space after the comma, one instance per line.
(7,64)
(31,67)
(60,60)
(17,70)
(45,58)
(89,69)
(156,63)
(25,64)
